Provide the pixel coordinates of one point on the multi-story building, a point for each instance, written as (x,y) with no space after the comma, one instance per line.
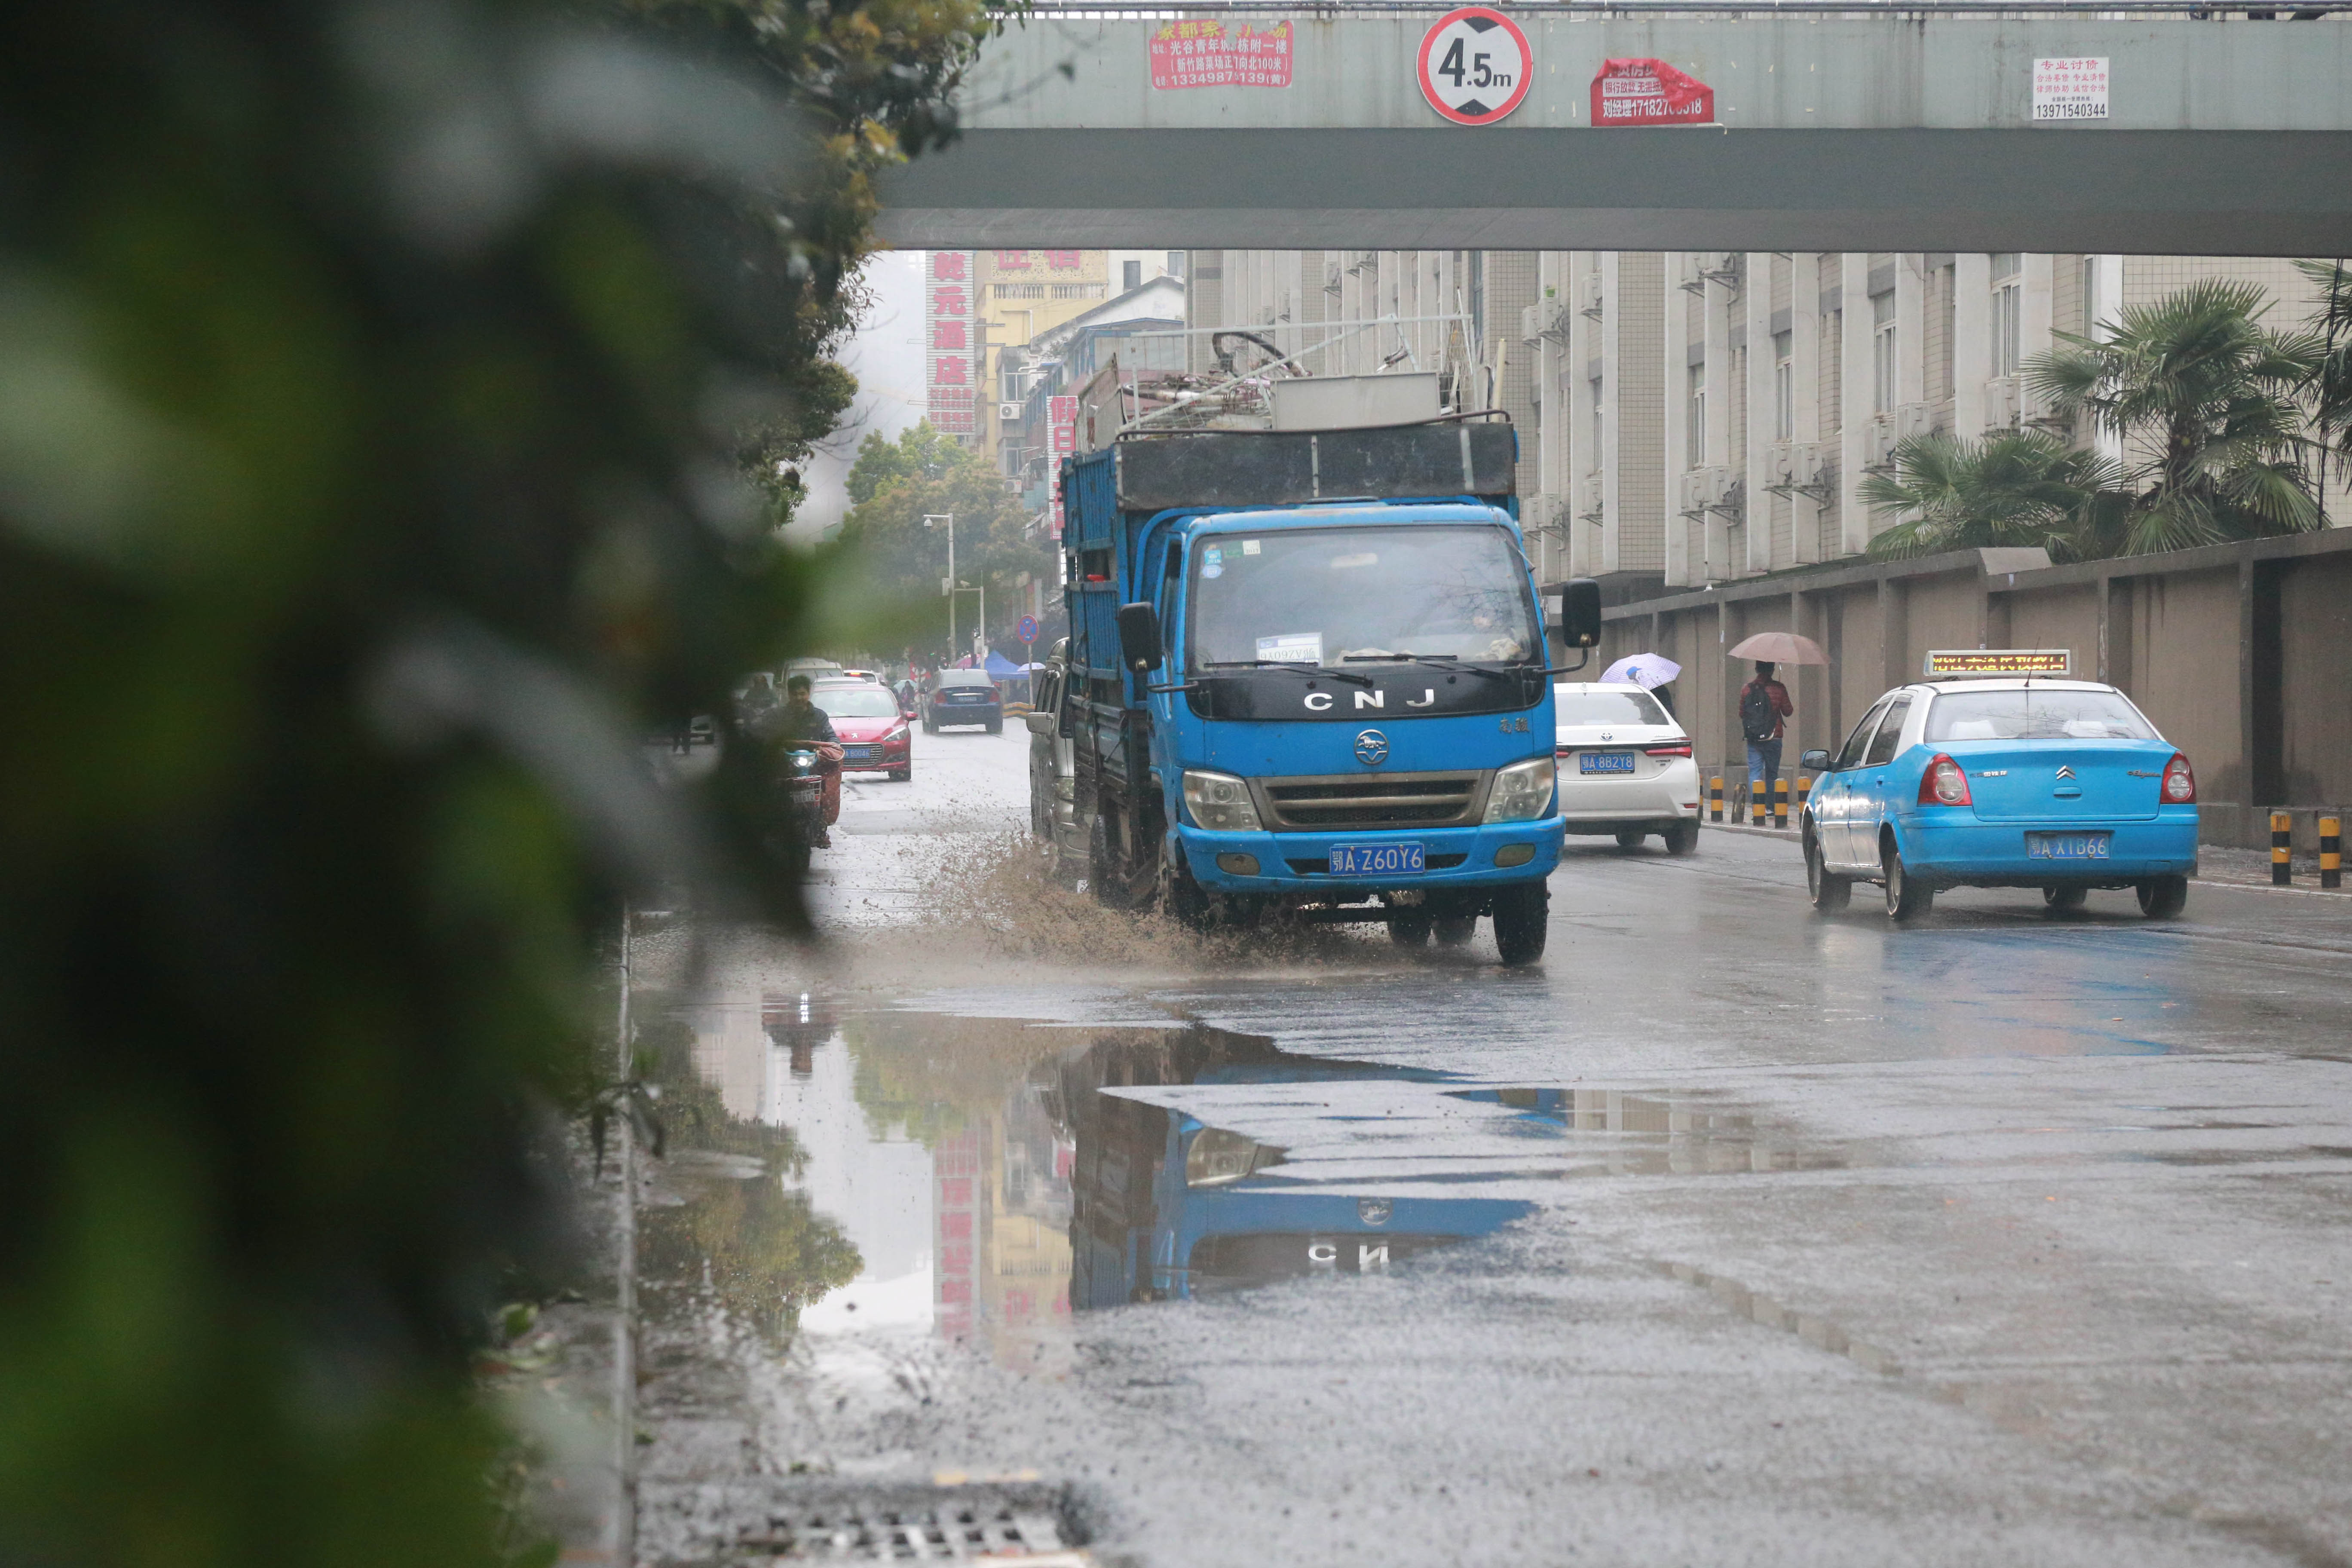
(1691,417)
(1020,296)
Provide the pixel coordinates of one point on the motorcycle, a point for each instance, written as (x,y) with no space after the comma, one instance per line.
(804,766)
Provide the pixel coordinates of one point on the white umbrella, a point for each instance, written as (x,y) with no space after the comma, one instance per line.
(1646,671)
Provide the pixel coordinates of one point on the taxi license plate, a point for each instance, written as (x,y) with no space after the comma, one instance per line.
(1377,860)
(2067,846)
(1604,761)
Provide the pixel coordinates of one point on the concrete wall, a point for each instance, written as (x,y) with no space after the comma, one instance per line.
(2241,654)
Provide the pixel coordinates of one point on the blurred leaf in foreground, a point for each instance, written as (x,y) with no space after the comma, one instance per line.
(378,386)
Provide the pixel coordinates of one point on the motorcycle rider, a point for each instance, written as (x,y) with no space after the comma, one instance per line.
(802,721)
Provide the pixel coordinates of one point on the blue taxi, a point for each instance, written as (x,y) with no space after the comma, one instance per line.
(2058,785)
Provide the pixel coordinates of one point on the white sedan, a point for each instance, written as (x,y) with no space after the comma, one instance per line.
(1625,766)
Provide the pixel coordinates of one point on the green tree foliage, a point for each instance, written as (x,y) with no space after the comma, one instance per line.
(376,385)
(894,484)
(2012,488)
(2330,382)
(2208,403)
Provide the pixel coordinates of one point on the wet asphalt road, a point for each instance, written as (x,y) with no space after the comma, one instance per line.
(1732,1234)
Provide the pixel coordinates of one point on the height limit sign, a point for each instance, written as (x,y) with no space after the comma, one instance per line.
(1476,65)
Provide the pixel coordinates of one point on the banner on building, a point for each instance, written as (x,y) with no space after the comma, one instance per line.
(2075,89)
(950,388)
(1649,92)
(1061,441)
(1214,53)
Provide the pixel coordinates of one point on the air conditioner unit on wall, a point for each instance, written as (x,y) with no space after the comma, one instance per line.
(1588,295)
(2004,403)
(1533,318)
(1008,413)
(1589,494)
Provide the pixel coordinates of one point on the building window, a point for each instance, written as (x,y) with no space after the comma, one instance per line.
(1784,392)
(1175,264)
(1130,277)
(1695,416)
(1882,351)
(2090,321)
(2008,304)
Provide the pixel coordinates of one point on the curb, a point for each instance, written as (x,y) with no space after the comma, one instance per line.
(1790,834)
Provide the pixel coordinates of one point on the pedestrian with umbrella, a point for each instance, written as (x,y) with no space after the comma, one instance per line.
(1764,705)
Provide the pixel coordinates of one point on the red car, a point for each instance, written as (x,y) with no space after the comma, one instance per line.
(871,729)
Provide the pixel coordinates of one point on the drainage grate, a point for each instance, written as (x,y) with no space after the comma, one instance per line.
(914,1524)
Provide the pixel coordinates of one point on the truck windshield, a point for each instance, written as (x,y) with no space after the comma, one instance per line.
(2035,715)
(1337,596)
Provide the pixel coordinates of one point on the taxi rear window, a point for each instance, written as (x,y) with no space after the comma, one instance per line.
(2028,714)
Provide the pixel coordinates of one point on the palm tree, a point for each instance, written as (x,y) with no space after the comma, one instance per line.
(2209,404)
(2331,376)
(2013,488)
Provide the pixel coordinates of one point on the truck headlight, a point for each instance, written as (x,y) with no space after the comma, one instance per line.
(1522,792)
(1218,1158)
(1219,801)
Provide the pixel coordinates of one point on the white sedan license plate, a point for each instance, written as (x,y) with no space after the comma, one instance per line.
(1604,761)
(1377,860)
(2067,846)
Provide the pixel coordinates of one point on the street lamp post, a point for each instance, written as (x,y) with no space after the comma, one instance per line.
(947,584)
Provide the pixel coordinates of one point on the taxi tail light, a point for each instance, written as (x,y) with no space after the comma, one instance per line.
(1681,750)
(2179,781)
(1944,783)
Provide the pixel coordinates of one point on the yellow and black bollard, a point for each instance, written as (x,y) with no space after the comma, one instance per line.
(1805,791)
(2331,852)
(1756,806)
(1714,798)
(2281,849)
(1779,803)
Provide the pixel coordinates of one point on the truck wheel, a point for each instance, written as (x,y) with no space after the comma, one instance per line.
(1409,926)
(2062,897)
(1905,900)
(1111,886)
(1682,838)
(1829,892)
(1522,920)
(2161,898)
(1183,898)
(1456,931)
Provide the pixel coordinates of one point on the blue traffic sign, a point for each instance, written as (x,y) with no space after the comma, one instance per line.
(1026,628)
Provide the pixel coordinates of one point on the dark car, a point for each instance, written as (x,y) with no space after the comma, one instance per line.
(953,697)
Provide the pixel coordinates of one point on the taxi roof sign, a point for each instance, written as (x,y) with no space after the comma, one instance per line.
(1959,663)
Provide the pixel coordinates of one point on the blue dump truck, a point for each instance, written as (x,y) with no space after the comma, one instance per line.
(1309,671)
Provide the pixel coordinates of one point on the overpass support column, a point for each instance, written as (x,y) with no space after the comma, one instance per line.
(1675,444)
(1804,392)
(1971,341)
(1720,395)
(1854,402)
(1757,509)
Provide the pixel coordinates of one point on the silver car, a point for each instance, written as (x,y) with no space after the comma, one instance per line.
(1052,771)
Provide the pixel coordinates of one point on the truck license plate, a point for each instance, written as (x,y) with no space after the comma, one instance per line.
(2067,846)
(1604,761)
(1377,860)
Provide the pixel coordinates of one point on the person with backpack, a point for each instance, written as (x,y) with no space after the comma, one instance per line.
(1764,708)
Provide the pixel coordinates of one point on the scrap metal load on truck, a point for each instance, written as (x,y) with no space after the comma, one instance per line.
(1309,670)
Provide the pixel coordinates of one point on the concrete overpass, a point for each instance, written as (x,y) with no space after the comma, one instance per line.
(1837,130)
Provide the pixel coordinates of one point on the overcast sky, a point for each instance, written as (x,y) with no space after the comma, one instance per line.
(887,357)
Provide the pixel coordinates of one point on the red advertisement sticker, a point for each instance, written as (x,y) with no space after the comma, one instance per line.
(1212,53)
(1649,92)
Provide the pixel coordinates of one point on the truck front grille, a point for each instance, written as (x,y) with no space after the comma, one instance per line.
(1363,800)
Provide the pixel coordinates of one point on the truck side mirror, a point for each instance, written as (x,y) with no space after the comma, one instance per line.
(1579,612)
(1139,637)
(1813,762)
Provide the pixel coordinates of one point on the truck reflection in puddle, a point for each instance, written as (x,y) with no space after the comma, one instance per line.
(1167,1206)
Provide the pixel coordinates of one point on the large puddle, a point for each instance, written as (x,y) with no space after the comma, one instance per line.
(844,1175)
